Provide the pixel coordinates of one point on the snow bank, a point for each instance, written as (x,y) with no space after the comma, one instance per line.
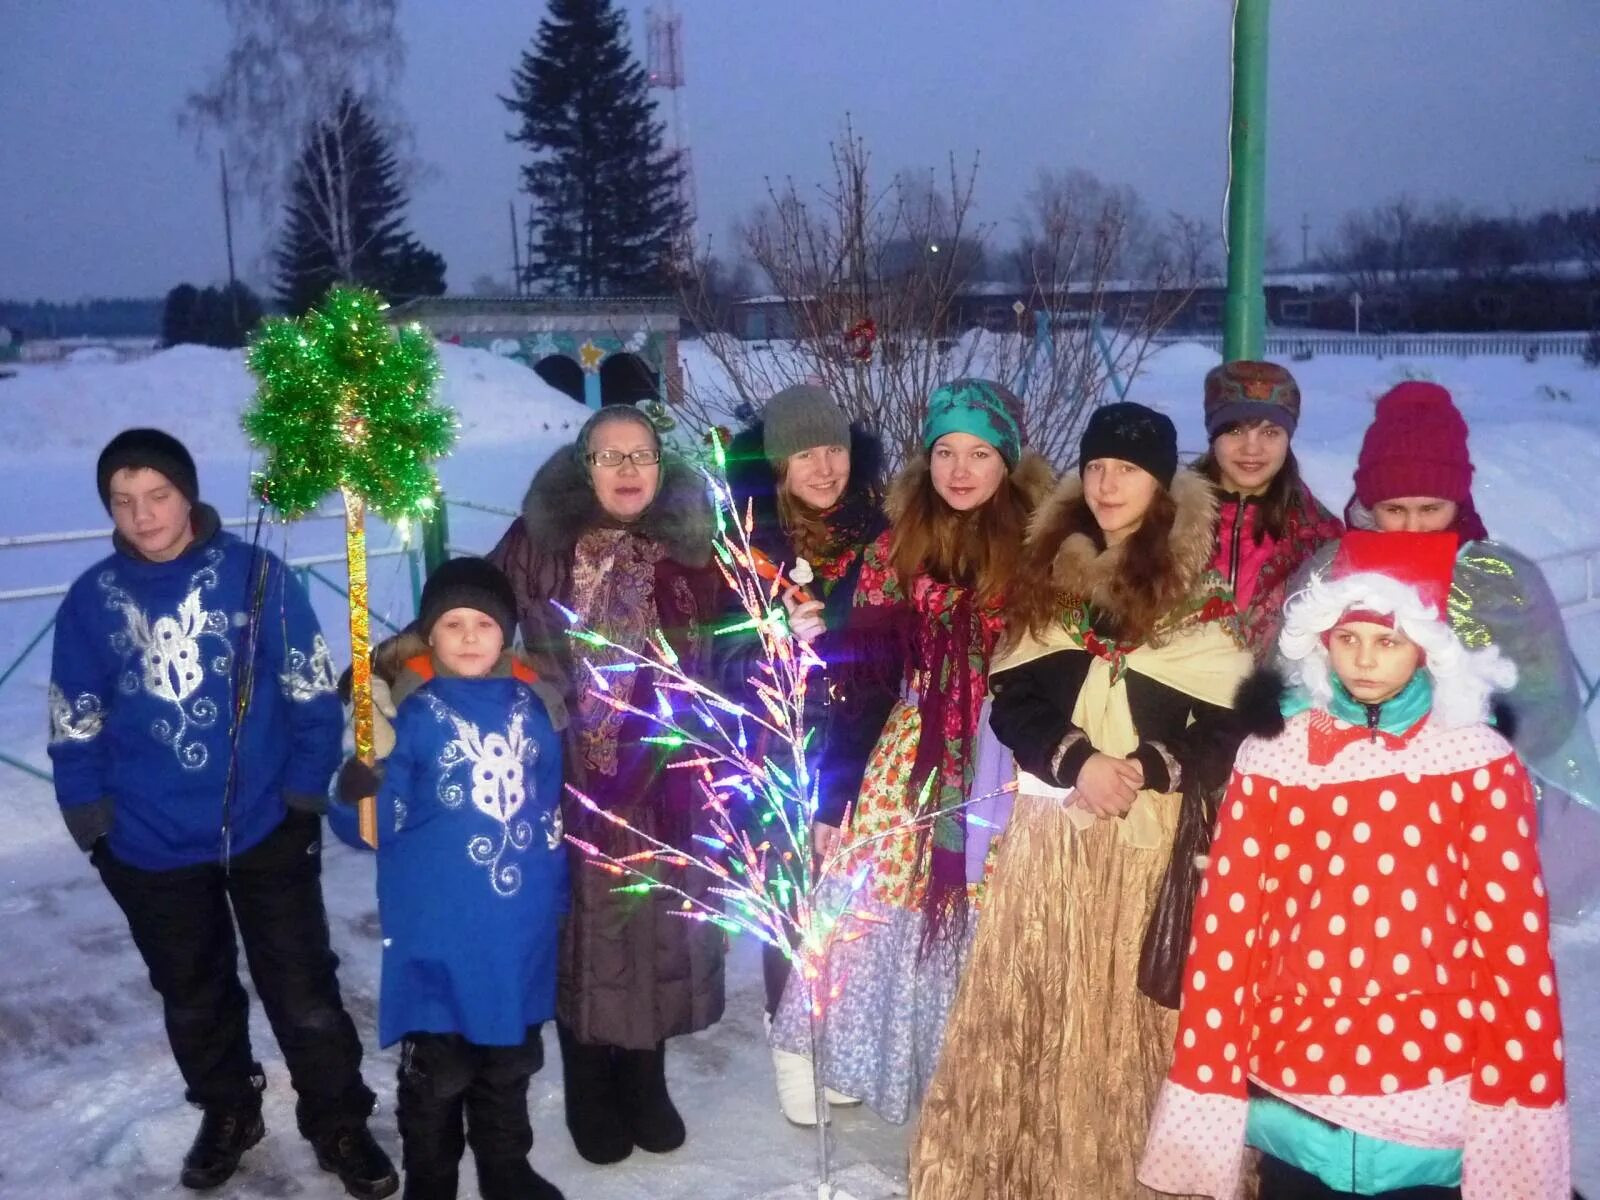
(1188,358)
(68,410)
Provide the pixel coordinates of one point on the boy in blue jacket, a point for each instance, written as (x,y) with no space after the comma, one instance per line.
(193,723)
(472,884)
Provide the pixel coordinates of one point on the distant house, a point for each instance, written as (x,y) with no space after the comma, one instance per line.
(614,349)
(1548,297)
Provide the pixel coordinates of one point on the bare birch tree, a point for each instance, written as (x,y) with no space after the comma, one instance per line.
(292,68)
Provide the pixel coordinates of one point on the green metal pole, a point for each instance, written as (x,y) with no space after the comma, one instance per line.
(1244,331)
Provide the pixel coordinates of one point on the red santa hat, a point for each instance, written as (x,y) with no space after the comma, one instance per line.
(1402,580)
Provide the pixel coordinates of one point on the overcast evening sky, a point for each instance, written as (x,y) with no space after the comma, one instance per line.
(1492,102)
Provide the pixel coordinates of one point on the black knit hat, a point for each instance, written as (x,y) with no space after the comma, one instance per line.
(1134,434)
(150,448)
(473,583)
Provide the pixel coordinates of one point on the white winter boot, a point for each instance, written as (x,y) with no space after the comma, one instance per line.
(797,1097)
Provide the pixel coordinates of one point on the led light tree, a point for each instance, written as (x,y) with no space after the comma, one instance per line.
(759,790)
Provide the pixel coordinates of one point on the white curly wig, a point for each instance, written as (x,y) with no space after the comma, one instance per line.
(1463,679)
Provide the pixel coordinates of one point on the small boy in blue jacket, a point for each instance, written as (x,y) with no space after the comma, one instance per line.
(472,885)
(194,728)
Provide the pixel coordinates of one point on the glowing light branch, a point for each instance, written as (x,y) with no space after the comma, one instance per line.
(759,791)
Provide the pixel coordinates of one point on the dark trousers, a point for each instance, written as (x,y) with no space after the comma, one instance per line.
(775,968)
(447,1082)
(775,964)
(183,922)
(1280,1181)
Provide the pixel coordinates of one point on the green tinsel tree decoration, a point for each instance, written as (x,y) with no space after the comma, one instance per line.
(346,404)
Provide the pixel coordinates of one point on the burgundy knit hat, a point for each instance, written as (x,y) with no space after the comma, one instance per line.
(1415,446)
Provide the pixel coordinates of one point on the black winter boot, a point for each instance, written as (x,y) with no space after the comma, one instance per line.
(513,1179)
(224,1136)
(355,1156)
(654,1120)
(430,1103)
(596,1117)
(431,1143)
(437,1185)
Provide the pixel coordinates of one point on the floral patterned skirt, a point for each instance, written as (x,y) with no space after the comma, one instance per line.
(879,1037)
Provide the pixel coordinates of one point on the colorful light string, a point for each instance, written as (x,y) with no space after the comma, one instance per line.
(758,788)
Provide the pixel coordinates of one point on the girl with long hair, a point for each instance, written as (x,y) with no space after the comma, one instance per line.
(810,481)
(936,585)
(1268,522)
(1114,693)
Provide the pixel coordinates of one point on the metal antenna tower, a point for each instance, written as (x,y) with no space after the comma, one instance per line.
(664,29)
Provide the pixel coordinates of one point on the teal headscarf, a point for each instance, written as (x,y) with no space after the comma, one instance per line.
(981,407)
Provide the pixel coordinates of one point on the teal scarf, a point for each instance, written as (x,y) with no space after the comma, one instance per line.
(1396,715)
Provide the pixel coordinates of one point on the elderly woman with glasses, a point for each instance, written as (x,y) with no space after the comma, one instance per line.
(619,530)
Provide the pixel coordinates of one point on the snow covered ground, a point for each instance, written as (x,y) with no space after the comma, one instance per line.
(90,1104)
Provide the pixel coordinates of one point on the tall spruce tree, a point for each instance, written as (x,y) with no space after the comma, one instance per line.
(345,218)
(606,214)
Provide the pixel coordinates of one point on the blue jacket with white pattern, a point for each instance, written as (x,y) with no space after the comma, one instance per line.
(472,867)
(148,674)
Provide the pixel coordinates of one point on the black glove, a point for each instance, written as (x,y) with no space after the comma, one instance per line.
(357,781)
(88,823)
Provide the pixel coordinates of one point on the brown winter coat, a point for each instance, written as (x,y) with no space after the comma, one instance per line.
(632,972)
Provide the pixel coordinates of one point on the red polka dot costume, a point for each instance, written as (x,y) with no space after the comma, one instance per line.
(1370,940)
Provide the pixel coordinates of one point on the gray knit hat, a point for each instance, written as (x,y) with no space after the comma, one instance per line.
(799,418)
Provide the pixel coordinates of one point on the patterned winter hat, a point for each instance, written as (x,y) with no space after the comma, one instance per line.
(799,418)
(1251,391)
(1135,434)
(981,407)
(473,583)
(1402,580)
(152,449)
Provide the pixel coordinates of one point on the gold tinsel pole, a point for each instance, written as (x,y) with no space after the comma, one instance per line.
(355,549)
(345,403)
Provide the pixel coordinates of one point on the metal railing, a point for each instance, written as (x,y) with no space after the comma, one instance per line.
(494,510)
(1280,344)
(304,568)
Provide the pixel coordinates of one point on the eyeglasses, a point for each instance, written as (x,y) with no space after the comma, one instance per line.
(615,458)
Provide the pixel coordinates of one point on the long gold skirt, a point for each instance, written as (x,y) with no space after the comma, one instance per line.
(1052,1056)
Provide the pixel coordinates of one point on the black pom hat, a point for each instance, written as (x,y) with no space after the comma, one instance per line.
(1135,434)
(473,583)
(147,448)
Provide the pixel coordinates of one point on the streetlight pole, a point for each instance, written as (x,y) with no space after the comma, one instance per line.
(1245,315)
